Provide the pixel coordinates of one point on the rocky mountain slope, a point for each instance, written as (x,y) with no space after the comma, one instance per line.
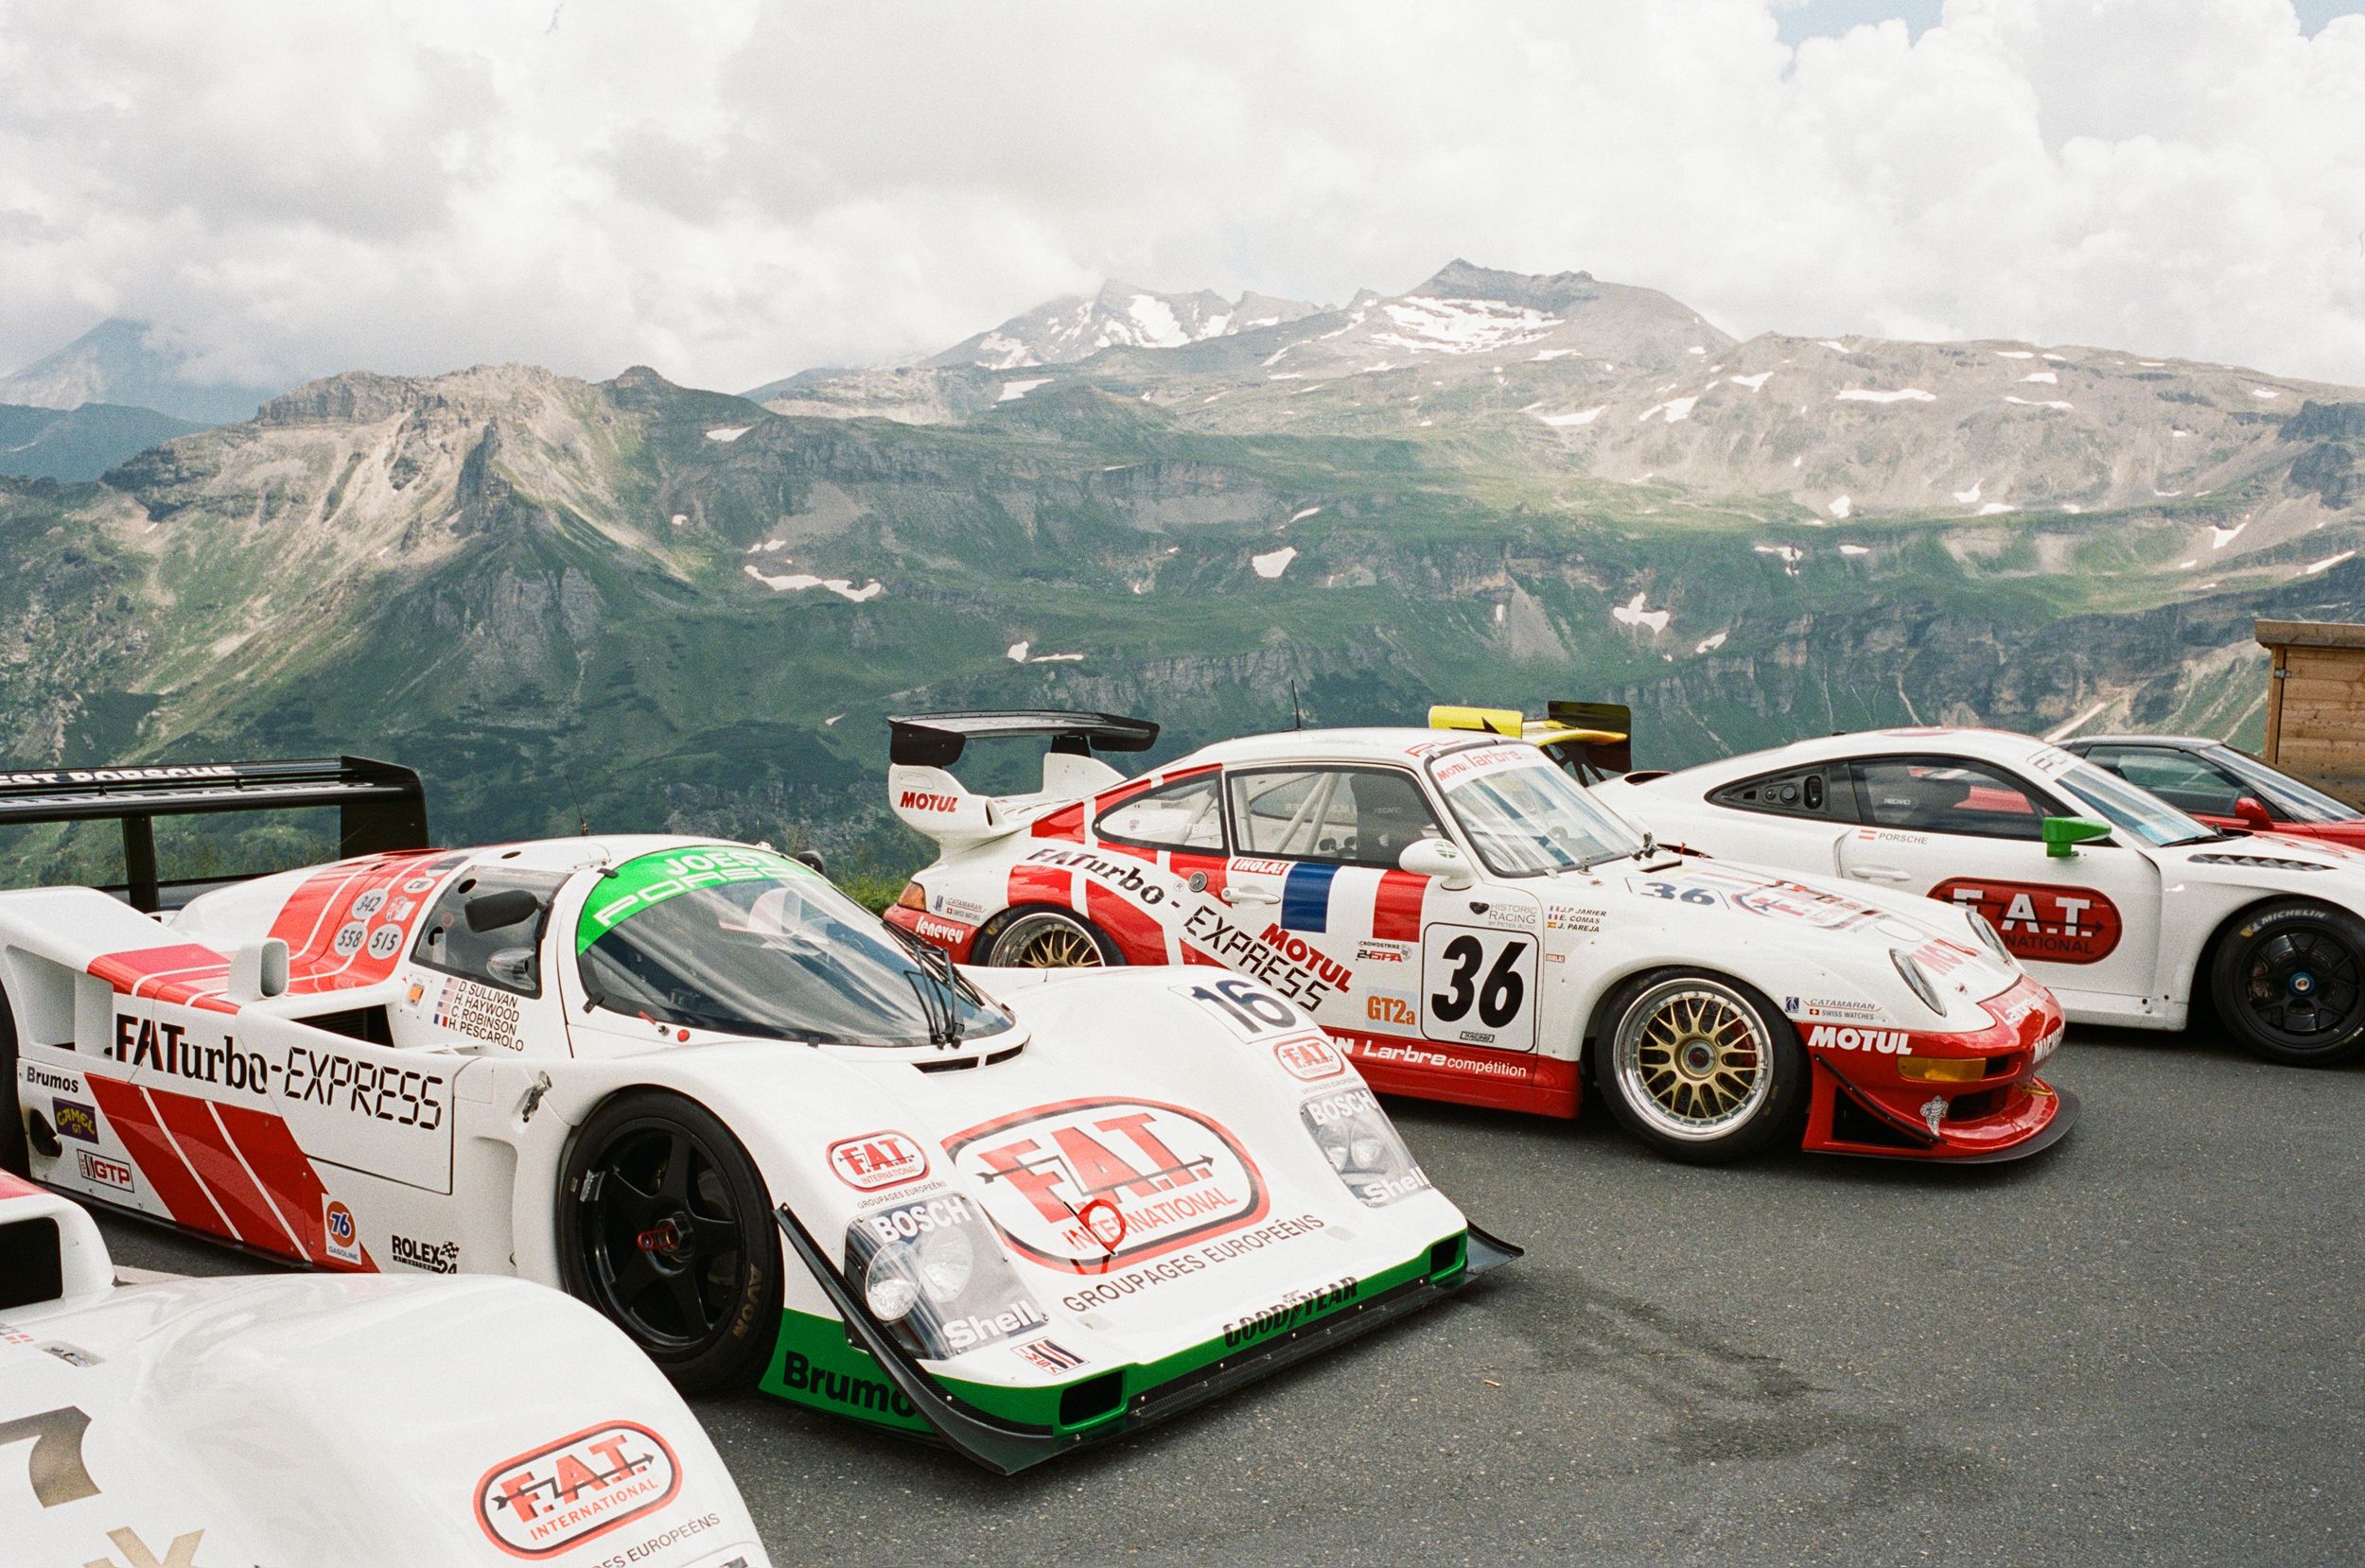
(643,606)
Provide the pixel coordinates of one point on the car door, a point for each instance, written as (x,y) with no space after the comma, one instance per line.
(1969,833)
(1393,953)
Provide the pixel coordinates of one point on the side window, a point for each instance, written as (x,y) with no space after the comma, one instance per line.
(1189,815)
(2178,778)
(1947,794)
(507,954)
(1348,816)
(1822,793)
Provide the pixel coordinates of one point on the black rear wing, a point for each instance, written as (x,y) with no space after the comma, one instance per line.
(381,806)
(936,740)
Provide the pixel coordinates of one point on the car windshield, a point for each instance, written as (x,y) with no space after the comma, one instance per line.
(2130,807)
(749,942)
(2285,797)
(1524,816)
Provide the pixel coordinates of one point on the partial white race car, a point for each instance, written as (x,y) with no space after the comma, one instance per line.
(365,1424)
(2127,907)
(1471,924)
(693,1084)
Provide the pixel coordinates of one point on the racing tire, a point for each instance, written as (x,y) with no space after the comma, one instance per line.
(13,1156)
(1700,1067)
(2288,980)
(1041,936)
(665,1227)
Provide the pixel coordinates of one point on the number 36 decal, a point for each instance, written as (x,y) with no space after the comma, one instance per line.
(1478,986)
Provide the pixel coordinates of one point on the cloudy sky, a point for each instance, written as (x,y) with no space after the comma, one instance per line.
(734,190)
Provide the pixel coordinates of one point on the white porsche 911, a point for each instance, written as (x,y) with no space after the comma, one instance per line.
(695,1086)
(364,1423)
(2129,909)
(1472,924)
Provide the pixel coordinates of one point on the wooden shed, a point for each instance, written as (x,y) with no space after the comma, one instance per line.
(2316,703)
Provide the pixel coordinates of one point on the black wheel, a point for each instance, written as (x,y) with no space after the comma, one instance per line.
(13,1158)
(2290,983)
(1039,936)
(1701,1067)
(665,1227)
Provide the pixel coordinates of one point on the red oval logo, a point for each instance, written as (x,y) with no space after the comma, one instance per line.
(565,1493)
(1172,1177)
(2041,924)
(878,1160)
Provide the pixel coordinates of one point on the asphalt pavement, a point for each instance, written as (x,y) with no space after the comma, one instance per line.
(2140,1347)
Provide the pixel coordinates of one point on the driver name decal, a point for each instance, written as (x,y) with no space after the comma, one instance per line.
(2047,925)
(1087,1184)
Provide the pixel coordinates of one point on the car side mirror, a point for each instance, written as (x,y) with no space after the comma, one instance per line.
(1436,858)
(495,910)
(2251,813)
(2062,835)
(512,967)
(811,859)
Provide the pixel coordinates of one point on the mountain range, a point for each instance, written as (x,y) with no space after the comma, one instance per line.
(643,606)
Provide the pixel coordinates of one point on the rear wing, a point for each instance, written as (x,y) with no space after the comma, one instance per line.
(921,746)
(1594,740)
(381,806)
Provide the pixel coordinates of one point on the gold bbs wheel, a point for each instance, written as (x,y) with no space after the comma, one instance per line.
(1046,939)
(1694,1060)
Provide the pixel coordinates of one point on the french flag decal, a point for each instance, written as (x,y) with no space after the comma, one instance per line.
(1306,897)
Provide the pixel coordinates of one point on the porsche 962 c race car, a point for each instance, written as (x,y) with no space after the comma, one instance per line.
(693,1085)
(1468,922)
(2126,906)
(363,1422)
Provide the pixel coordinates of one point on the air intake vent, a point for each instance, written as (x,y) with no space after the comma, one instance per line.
(964,1063)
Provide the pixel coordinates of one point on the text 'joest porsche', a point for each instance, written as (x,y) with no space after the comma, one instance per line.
(1469,923)
(693,1085)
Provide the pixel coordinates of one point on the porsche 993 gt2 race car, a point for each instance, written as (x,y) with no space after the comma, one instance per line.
(365,1424)
(693,1085)
(2127,907)
(1467,922)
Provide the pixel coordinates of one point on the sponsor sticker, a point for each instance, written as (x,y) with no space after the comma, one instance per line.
(878,1160)
(1886,1042)
(38,1076)
(1383,953)
(560,1495)
(102,1171)
(1840,1008)
(2039,923)
(72,1355)
(428,1257)
(1048,1355)
(1309,1057)
(343,1236)
(74,1120)
(944,933)
(1172,1176)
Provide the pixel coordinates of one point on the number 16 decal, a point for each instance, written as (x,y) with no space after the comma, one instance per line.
(1477,988)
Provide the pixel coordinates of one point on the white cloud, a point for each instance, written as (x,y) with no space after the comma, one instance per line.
(736,190)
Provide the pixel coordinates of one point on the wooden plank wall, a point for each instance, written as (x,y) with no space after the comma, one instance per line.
(2318,717)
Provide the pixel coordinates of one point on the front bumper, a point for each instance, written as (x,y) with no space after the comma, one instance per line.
(1971,1096)
(1006,1444)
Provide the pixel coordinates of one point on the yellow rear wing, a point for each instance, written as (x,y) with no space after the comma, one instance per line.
(1596,737)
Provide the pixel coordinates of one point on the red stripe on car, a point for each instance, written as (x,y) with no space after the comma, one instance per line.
(161,1166)
(1396,911)
(206,1147)
(296,1190)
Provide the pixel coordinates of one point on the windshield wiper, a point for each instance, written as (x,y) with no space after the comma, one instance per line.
(1642,851)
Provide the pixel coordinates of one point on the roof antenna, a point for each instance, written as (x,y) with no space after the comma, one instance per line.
(1297,714)
(583,818)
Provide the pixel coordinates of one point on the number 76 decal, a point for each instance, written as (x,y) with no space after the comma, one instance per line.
(55,1463)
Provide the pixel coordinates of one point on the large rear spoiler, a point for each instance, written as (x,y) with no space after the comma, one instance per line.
(921,746)
(1595,738)
(381,806)
(936,740)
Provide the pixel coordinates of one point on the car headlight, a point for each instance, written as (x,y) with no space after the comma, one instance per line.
(1364,1147)
(891,1295)
(1990,938)
(947,1258)
(1910,969)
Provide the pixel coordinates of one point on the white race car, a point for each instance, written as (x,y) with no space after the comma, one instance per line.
(1469,922)
(367,1423)
(693,1085)
(2127,907)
